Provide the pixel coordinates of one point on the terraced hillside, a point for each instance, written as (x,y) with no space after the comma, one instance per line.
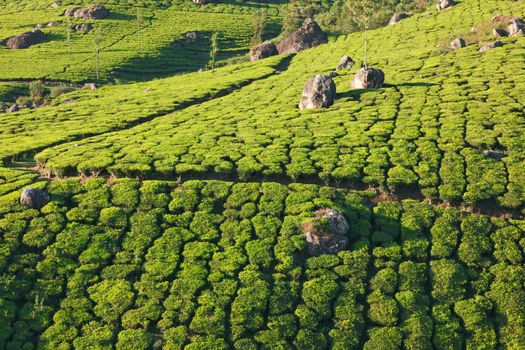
(127,41)
(178,205)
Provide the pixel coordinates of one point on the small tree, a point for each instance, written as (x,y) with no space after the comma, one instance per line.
(258,24)
(366,14)
(140,21)
(37,91)
(97,39)
(68,28)
(213,51)
(297,11)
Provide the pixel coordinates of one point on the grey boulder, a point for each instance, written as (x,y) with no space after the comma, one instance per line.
(327,233)
(308,36)
(345,62)
(34,198)
(368,78)
(318,92)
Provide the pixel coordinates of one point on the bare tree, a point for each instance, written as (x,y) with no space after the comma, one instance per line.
(68,28)
(97,39)
(140,21)
(258,23)
(214,50)
(366,13)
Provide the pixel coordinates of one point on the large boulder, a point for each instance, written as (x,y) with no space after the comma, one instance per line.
(96,11)
(345,62)
(34,198)
(368,78)
(327,233)
(309,35)
(25,40)
(458,43)
(490,46)
(318,92)
(398,17)
(445,4)
(263,50)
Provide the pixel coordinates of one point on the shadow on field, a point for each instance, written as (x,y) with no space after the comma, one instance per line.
(414,84)
(183,55)
(356,94)
(119,16)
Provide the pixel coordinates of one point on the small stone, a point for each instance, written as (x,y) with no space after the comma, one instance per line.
(490,46)
(445,4)
(34,198)
(191,36)
(84,28)
(493,154)
(345,62)
(200,2)
(13,108)
(90,86)
(53,24)
(398,17)
(458,43)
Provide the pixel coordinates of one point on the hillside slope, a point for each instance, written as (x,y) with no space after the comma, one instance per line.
(130,49)
(177,205)
(425,130)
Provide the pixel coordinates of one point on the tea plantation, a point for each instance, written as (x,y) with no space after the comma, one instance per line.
(178,203)
(126,43)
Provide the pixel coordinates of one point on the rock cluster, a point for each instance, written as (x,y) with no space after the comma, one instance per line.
(458,43)
(25,40)
(327,233)
(368,77)
(263,50)
(34,198)
(345,62)
(309,35)
(445,4)
(83,28)
(490,46)
(398,17)
(96,11)
(319,92)
(515,26)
